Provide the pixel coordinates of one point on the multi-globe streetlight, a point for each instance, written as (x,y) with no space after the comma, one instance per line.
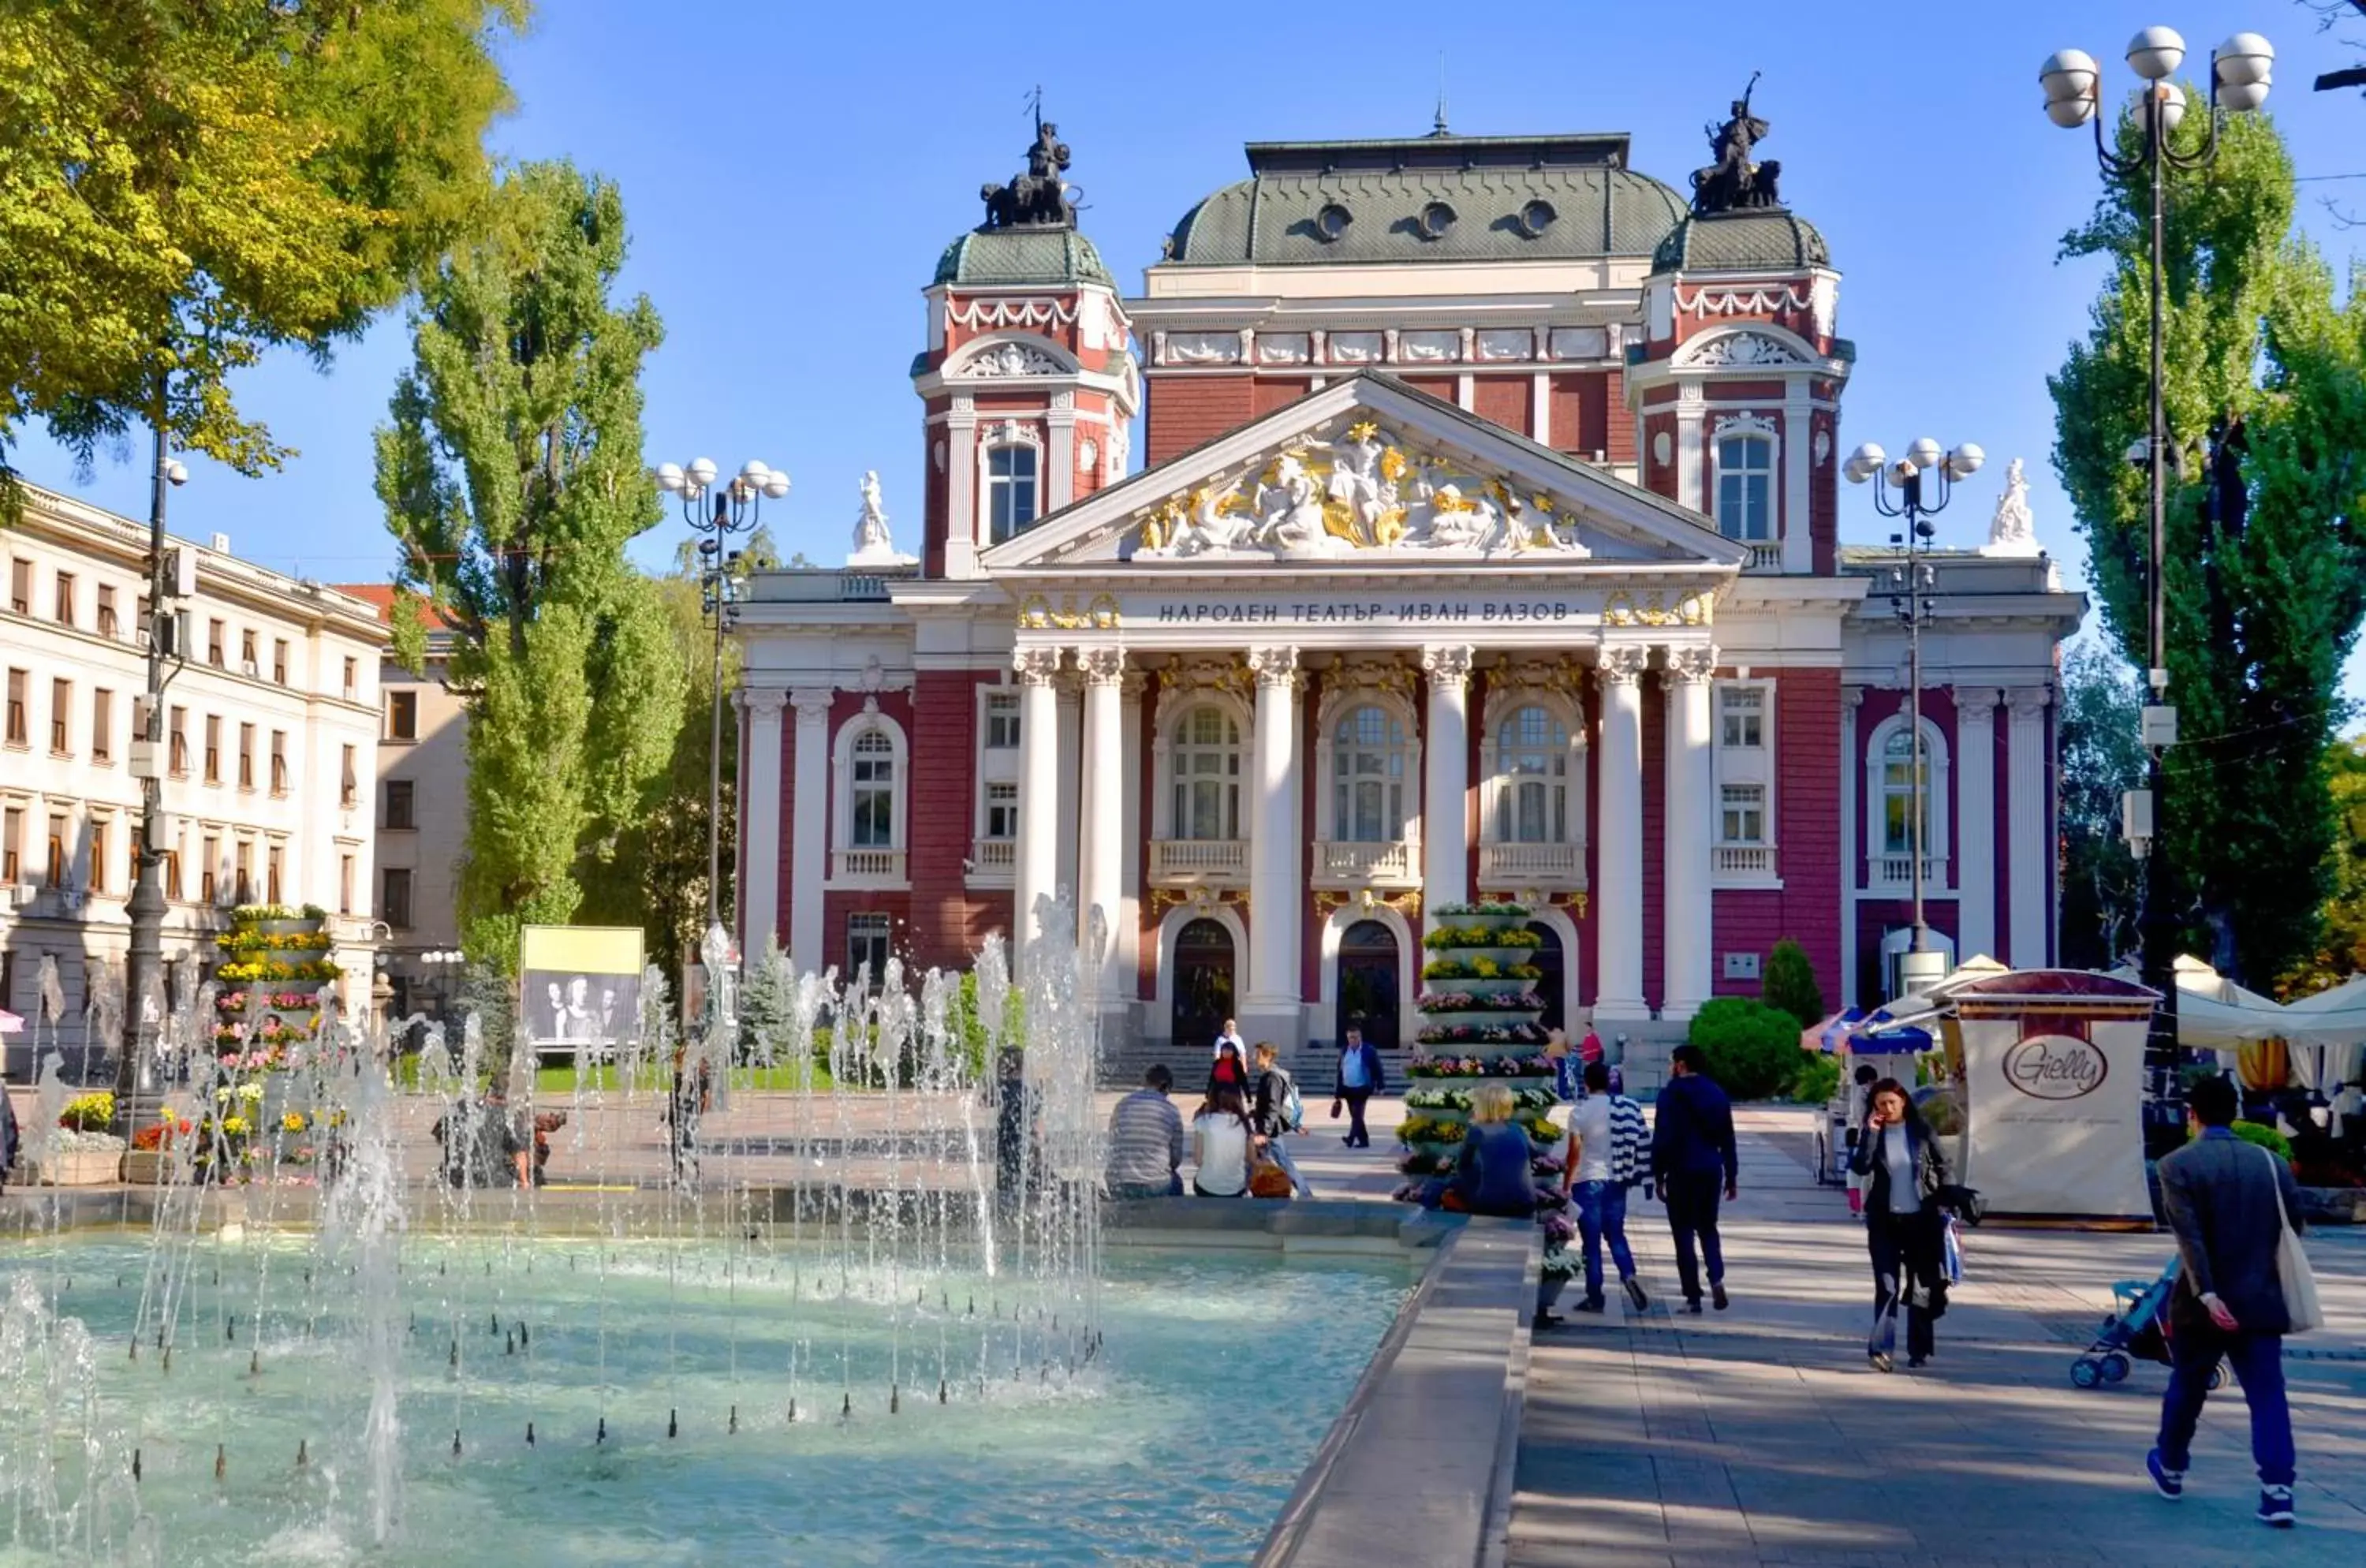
(2242,69)
(1922,479)
(172,578)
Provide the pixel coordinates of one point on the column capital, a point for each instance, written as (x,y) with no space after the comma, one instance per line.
(1692,666)
(1624,665)
(2029,702)
(1101,666)
(1035,666)
(812,704)
(1976,700)
(760,702)
(1446,666)
(1852,699)
(1274,666)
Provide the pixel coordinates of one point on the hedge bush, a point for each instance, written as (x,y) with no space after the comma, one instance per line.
(1818,1080)
(1753,1049)
(1790,984)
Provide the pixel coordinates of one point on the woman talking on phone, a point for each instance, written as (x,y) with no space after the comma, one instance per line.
(1903,1168)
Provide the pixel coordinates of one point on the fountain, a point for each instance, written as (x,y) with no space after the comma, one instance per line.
(830,1286)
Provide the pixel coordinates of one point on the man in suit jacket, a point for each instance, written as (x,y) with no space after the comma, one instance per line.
(2222,1197)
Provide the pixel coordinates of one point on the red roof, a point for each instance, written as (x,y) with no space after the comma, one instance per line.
(381,596)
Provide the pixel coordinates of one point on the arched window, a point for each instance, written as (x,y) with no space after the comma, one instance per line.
(1009,491)
(1531,778)
(872,787)
(1207,762)
(1903,793)
(1745,487)
(1368,776)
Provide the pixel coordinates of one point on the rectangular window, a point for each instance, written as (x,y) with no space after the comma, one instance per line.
(398,800)
(214,643)
(275,858)
(1745,487)
(1002,811)
(207,871)
(19,724)
(57,863)
(349,790)
(21,587)
(108,624)
(279,661)
(246,756)
(61,715)
(12,831)
(213,750)
(65,599)
(1743,717)
(346,885)
(179,759)
(353,676)
(1002,722)
(280,762)
(1742,817)
(242,872)
(140,626)
(173,875)
(102,726)
(873,792)
(98,857)
(394,903)
(866,943)
(246,651)
(402,715)
(1009,492)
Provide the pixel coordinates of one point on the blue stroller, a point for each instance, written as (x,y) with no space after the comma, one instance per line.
(2137,1327)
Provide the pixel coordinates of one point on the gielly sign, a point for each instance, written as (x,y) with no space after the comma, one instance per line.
(2055,1067)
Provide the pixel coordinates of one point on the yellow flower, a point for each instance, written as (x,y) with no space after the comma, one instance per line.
(292,1123)
(234,1126)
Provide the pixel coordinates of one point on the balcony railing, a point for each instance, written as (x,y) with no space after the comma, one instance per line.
(996,858)
(1898,871)
(1766,555)
(1532,865)
(867,865)
(1191,862)
(1389,863)
(1744,860)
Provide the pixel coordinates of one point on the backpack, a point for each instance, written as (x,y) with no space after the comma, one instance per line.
(1293,1109)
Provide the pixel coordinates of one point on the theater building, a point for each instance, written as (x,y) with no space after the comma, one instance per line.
(1486,548)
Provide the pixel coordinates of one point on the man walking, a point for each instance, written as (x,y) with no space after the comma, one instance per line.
(1277,1112)
(1604,1159)
(1360,1078)
(1693,1157)
(1145,1141)
(2222,1198)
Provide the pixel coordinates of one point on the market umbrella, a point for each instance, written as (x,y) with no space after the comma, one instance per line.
(10,1023)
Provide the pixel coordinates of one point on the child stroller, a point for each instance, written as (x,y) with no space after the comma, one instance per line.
(2137,1327)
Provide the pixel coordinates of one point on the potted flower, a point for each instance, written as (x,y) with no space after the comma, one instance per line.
(149,1161)
(82,1151)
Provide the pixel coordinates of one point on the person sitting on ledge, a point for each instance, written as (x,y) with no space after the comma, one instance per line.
(1495,1172)
(1219,1135)
(1145,1141)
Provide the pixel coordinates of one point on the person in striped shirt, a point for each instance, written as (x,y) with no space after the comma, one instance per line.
(1145,1143)
(1602,1159)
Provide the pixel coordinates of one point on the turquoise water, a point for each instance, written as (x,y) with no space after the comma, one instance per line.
(1174,1439)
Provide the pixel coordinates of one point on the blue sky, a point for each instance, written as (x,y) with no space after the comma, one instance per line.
(792,171)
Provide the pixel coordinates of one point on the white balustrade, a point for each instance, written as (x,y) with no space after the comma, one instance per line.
(1384,862)
(1225,860)
(1532,865)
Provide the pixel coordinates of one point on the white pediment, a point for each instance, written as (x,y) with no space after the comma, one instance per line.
(1368,471)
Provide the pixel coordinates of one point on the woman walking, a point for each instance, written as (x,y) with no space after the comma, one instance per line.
(1903,1168)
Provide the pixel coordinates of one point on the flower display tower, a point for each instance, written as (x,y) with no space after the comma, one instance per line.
(1479,1010)
(274,961)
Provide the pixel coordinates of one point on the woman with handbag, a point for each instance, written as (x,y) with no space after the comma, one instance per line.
(1903,1168)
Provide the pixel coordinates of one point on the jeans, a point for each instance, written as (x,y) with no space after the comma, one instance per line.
(1173,1188)
(1905,1249)
(1692,1196)
(1358,1136)
(2259,1363)
(1602,1212)
(1275,1152)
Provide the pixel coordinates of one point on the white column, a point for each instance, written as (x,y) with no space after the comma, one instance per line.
(1275,886)
(2028,860)
(1976,928)
(1100,855)
(1445,782)
(1685,899)
(1619,854)
(809,841)
(1851,777)
(961,489)
(1071,708)
(1036,869)
(1060,453)
(759,814)
(1689,478)
(1129,899)
(1799,466)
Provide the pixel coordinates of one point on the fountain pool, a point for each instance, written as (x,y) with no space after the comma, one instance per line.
(1210,1381)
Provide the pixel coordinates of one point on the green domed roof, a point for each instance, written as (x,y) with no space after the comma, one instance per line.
(1432,198)
(1023,253)
(1742,241)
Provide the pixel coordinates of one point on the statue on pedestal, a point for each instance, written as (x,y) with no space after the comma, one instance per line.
(2012,531)
(1734,184)
(872,545)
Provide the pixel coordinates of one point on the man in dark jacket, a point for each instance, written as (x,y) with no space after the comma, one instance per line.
(1693,1158)
(2222,1198)
(1360,1078)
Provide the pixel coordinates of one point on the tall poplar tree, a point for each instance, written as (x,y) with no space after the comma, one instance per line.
(2266,524)
(511,475)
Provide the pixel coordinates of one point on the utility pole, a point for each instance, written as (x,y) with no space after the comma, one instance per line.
(145,962)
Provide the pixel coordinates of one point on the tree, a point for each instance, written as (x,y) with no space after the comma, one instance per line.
(2342,943)
(1789,984)
(2101,757)
(185,186)
(511,475)
(2266,559)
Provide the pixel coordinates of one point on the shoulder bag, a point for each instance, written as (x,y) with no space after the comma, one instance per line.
(2293,1276)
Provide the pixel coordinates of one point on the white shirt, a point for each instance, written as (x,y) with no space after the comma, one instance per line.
(1224,1144)
(1589,1128)
(1234,1042)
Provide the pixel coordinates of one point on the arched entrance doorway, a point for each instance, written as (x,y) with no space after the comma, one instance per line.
(1368,982)
(1553,983)
(1203,982)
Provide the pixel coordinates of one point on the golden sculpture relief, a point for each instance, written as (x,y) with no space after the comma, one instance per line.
(1037,612)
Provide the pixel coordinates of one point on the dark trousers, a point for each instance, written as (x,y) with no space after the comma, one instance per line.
(1906,1252)
(1693,1198)
(2259,1363)
(1358,1137)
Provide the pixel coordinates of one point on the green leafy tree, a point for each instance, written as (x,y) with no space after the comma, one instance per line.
(184,186)
(1753,1049)
(1789,984)
(2341,942)
(2266,560)
(512,476)
(2102,756)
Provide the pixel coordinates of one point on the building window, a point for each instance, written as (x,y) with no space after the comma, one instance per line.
(61,715)
(179,759)
(242,871)
(56,866)
(273,858)
(1742,818)
(346,885)
(210,870)
(97,856)
(65,599)
(214,643)
(246,652)
(866,944)
(108,624)
(402,715)
(20,725)
(1002,811)
(1742,716)
(353,677)
(1368,777)
(398,800)
(280,762)
(213,749)
(246,756)
(1904,790)
(1745,487)
(279,661)
(349,785)
(1009,492)
(394,900)
(1206,763)
(12,829)
(21,587)
(1531,778)
(873,792)
(1001,721)
(172,875)
(102,726)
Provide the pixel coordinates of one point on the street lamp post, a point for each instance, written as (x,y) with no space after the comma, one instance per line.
(735,506)
(1923,480)
(2241,71)
(144,963)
